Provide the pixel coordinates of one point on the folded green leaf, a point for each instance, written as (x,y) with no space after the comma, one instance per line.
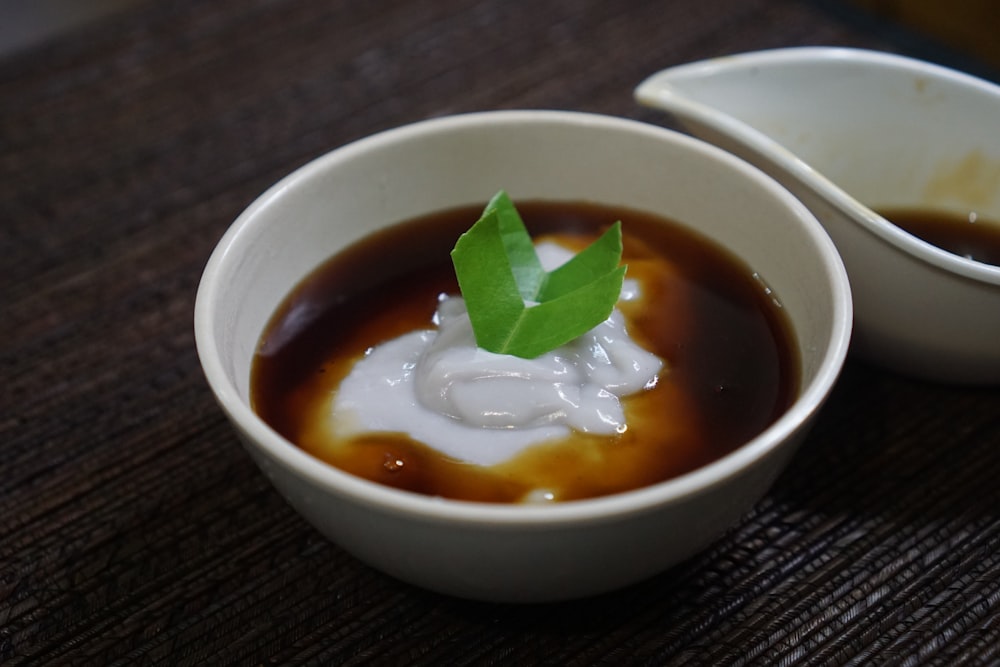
(518,308)
(524,264)
(596,260)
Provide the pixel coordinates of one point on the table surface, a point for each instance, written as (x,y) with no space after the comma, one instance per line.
(134,528)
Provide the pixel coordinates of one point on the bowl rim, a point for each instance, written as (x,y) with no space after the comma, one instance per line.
(440,510)
(658,91)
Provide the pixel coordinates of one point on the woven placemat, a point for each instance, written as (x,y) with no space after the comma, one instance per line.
(135,530)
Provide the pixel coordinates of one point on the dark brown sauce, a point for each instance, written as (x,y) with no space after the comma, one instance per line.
(963,235)
(732,368)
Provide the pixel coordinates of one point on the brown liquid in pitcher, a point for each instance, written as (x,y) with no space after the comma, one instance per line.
(731,367)
(963,235)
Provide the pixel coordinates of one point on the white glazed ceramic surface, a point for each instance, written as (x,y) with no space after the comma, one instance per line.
(508,552)
(851,130)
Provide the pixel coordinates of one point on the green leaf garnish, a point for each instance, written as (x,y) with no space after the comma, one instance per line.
(518,308)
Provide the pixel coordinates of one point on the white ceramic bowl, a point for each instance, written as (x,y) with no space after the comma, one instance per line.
(848,131)
(501,552)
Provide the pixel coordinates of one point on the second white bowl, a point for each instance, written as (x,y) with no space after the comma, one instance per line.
(849,131)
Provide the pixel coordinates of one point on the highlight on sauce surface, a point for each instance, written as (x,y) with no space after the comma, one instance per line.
(725,366)
(967,235)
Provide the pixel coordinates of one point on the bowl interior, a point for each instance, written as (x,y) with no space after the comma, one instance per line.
(463,160)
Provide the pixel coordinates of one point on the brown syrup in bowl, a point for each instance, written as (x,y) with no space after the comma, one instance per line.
(731,366)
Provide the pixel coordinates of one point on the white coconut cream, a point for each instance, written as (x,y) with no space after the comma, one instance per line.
(441,389)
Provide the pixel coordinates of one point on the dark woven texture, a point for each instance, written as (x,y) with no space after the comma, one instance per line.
(134,529)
